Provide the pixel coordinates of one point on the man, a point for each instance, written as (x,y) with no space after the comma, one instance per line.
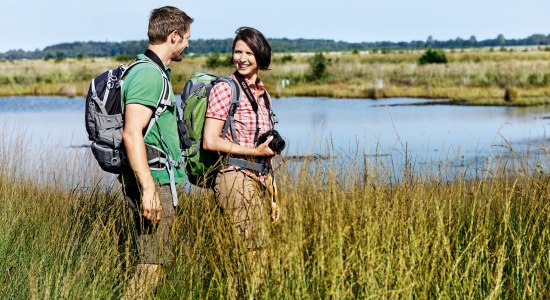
(147,188)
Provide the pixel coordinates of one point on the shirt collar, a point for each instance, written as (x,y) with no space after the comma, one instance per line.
(257,85)
(152,56)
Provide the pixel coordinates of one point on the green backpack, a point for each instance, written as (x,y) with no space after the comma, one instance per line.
(200,164)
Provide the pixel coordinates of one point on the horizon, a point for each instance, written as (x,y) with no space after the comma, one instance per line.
(349,21)
(275,38)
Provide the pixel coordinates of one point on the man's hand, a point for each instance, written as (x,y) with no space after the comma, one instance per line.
(152,209)
(136,119)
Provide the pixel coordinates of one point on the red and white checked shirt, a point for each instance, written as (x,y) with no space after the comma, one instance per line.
(245,117)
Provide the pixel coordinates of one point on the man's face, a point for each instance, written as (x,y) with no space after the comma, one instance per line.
(181,44)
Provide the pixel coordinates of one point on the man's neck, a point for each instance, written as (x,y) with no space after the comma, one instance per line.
(158,50)
(154,57)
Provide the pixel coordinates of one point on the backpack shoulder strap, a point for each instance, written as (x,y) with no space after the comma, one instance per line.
(164,98)
(163,102)
(235,101)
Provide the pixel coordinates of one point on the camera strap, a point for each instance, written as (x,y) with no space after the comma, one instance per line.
(259,167)
(250,96)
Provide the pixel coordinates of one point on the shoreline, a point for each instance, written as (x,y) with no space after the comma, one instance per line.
(430,101)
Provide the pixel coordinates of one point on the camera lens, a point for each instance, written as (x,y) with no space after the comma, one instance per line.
(277,145)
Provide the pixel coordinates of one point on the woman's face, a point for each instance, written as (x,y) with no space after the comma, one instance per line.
(244,60)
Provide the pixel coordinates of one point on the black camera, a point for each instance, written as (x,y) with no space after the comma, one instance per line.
(277,144)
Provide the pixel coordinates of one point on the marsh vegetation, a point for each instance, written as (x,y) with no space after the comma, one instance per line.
(472,76)
(380,228)
(348,232)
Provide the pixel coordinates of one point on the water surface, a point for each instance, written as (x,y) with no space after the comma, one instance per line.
(387,127)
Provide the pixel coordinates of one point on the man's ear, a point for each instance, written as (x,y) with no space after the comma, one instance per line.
(173,37)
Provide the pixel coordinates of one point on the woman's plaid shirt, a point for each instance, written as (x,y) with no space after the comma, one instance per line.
(245,117)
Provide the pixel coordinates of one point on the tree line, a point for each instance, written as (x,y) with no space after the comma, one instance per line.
(205,46)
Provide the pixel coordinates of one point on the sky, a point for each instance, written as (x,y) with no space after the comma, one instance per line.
(35,24)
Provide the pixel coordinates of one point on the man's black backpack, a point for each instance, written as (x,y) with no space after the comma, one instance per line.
(104,117)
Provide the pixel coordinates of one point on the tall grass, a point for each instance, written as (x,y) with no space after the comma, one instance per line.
(364,229)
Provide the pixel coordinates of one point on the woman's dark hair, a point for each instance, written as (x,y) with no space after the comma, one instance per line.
(257,43)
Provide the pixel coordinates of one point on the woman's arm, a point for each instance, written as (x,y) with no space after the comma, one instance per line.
(212,141)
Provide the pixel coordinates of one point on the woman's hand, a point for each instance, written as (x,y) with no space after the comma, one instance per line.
(263,148)
(212,141)
(275,212)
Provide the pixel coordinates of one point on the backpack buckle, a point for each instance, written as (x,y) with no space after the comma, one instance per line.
(112,80)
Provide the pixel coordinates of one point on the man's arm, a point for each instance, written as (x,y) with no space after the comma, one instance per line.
(136,119)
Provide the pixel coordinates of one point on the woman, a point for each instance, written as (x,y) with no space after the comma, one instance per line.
(244,193)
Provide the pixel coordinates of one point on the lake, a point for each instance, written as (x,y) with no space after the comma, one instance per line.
(320,126)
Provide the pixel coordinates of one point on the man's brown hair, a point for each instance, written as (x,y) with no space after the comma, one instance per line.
(165,20)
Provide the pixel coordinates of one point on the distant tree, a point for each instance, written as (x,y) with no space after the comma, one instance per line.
(279,45)
(429,41)
(59,56)
(473,41)
(433,56)
(501,41)
(458,43)
(48,56)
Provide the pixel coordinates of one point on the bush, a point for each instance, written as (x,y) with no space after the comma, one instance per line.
(510,94)
(318,67)
(433,56)
(215,61)
(374,93)
(4,80)
(287,58)
(124,57)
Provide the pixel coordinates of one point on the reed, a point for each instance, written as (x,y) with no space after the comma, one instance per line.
(469,76)
(373,227)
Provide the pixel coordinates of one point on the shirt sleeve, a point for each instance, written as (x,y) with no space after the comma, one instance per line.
(219,101)
(146,85)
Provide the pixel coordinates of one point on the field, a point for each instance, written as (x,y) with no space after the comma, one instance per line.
(363,230)
(382,229)
(472,76)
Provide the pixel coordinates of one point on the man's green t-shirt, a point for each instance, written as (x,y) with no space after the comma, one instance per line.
(143,84)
